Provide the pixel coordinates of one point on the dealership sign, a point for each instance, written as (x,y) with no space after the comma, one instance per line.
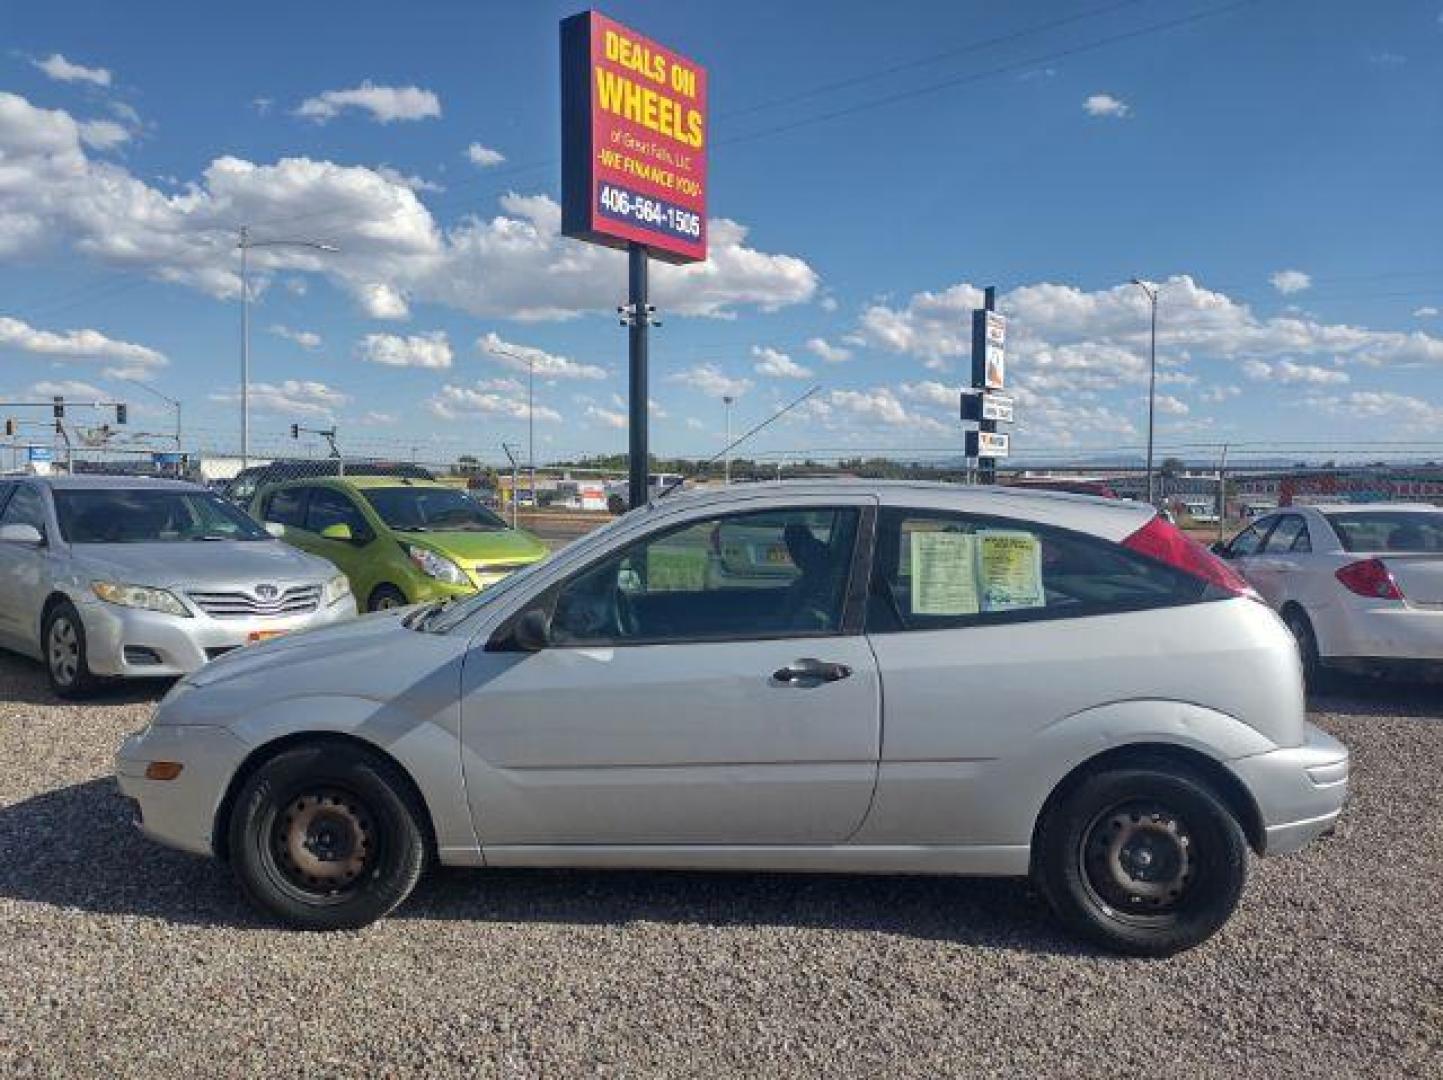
(989,350)
(633,141)
(987,406)
(986,444)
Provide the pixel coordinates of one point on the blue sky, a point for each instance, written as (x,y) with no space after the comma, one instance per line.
(1275,165)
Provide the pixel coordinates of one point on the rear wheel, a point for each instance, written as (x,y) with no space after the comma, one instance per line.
(327,837)
(1301,627)
(386,597)
(1142,860)
(66,662)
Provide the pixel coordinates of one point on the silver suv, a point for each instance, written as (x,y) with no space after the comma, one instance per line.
(129,576)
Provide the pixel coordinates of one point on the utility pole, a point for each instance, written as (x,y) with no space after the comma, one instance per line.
(638,316)
(727,400)
(245,244)
(515,479)
(1151,291)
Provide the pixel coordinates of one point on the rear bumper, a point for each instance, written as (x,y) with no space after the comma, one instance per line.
(132,642)
(1300,791)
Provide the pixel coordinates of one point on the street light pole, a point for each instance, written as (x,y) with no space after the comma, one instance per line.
(172,402)
(245,244)
(1151,291)
(727,400)
(531,425)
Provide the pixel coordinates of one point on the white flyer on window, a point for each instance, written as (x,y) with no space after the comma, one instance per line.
(1010,570)
(944,573)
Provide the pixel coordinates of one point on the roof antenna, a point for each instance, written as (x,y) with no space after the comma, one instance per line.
(738,441)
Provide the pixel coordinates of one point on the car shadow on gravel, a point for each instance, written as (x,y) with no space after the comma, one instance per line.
(1366,695)
(23,681)
(75,847)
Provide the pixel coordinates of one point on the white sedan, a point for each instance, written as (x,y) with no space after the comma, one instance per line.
(1359,585)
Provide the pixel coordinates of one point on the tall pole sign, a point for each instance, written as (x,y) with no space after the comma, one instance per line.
(633,172)
(983,402)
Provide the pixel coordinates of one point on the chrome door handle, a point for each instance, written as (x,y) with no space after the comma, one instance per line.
(810,671)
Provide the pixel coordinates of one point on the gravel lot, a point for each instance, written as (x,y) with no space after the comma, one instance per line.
(121,958)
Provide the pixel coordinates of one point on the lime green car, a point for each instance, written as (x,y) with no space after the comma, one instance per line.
(399,541)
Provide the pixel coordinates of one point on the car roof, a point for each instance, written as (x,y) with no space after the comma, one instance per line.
(1364,508)
(1113,518)
(102,482)
(363,482)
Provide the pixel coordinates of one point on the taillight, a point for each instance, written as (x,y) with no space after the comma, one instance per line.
(1166,543)
(1370,578)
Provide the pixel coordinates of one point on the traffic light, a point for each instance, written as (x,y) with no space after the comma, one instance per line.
(10,428)
(122,414)
(59,407)
(295,431)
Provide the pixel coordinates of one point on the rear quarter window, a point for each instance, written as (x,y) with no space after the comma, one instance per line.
(936,570)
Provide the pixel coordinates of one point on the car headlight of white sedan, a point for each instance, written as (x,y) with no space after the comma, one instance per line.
(338,588)
(145,597)
(436,566)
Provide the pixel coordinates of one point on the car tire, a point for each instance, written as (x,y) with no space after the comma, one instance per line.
(67,664)
(1143,860)
(327,836)
(1301,627)
(385,598)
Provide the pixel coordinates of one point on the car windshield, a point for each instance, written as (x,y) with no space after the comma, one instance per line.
(430,509)
(1390,530)
(138,516)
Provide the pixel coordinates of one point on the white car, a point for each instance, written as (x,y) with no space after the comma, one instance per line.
(816,675)
(1359,585)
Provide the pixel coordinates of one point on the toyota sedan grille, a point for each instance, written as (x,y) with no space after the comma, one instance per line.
(243,605)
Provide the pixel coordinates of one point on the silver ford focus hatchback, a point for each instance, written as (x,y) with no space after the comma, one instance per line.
(808,676)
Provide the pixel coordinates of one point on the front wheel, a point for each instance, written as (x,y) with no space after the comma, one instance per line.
(67,663)
(327,837)
(1142,860)
(386,597)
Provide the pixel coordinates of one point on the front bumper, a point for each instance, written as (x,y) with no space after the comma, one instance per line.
(179,813)
(1299,790)
(133,642)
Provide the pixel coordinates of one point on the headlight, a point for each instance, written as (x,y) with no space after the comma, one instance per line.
(139,596)
(337,588)
(436,566)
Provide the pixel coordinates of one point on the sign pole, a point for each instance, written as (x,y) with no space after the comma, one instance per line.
(640,322)
(986,466)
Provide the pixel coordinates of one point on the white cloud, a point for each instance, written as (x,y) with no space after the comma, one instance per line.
(306,339)
(1172,406)
(832,354)
(415,183)
(454,402)
(1412,413)
(1216,395)
(930,392)
(933,326)
(777,365)
(483,156)
(81,345)
(69,388)
(63,70)
(711,381)
(293,397)
(1288,282)
(1426,312)
(386,104)
(262,105)
(381,418)
(880,405)
(1106,105)
(1289,372)
(607,417)
(525,357)
(693,424)
(428,350)
(103,134)
(392,252)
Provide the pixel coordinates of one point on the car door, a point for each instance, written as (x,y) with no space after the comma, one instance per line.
(329,506)
(1244,548)
(24,582)
(1274,569)
(704,685)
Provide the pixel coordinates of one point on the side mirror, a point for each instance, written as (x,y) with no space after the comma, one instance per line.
(339,531)
(276,529)
(1220,549)
(21,534)
(532,632)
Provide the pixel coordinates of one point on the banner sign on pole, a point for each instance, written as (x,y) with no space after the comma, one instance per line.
(633,141)
(986,406)
(986,444)
(989,350)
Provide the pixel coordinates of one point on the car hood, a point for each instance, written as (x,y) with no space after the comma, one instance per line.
(202,562)
(339,643)
(480,547)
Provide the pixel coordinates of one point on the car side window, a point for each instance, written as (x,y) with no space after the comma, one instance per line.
(25,508)
(1250,540)
(331,507)
(285,507)
(5,490)
(1284,535)
(935,570)
(1303,542)
(772,574)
